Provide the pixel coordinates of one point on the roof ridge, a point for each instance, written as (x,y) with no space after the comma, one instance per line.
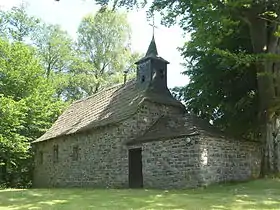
(104,90)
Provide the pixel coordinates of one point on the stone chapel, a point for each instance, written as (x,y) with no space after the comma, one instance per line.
(137,135)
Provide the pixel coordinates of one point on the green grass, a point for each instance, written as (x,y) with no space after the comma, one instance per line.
(259,194)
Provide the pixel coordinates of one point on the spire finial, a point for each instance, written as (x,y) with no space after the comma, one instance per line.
(153,24)
(152,50)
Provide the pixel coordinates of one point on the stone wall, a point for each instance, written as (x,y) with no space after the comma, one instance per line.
(229,160)
(198,160)
(102,156)
(171,164)
(175,163)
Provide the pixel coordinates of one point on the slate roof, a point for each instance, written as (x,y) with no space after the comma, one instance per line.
(106,107)
(176,126)
(152,53)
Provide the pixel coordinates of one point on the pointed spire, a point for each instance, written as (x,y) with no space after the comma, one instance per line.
(152,50)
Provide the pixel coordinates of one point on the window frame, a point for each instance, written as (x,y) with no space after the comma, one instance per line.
(41,157)
(55,153)
(75,153)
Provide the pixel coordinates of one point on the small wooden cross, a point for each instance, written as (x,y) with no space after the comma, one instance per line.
(153,25)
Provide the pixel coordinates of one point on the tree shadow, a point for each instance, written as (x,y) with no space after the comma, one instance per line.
(258,194)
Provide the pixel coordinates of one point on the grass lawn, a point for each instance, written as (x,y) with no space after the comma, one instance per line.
(259,194)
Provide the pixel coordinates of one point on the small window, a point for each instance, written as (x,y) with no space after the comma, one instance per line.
(55,153)
(41,156)
(276,91)
(75,155)
(161,73)
(142,79)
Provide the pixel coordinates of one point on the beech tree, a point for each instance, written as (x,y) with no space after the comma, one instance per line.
(221,90)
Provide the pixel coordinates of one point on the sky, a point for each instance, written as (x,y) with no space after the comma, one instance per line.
(68,14)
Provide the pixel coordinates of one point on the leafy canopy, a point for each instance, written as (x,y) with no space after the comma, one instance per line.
(27,106)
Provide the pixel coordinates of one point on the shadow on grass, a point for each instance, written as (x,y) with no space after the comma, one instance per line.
(260,194)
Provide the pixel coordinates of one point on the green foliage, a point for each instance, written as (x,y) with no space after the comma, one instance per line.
(230,44)
(17,25)
(27,109)
(223,85)
(76,69)
(102,52)
(55,49)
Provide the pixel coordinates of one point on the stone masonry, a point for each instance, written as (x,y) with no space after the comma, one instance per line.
(198,161)
(174,163)
(103,160)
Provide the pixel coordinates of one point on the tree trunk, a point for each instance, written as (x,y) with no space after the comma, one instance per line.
(270,133)
(270,150)
(263,42)
(3,171)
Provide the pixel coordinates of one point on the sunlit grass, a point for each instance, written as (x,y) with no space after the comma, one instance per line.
(259,194)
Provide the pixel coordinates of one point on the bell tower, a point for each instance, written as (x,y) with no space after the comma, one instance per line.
(152,69)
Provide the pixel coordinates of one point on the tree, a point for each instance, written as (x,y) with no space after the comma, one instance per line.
(213,20)
(221,90)
(13,145)
(56,54)
(54,47)
(27,109)
(67,66)
(17,25)
(103,51)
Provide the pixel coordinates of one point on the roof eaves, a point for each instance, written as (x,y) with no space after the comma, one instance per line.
(160,138)
(93,125)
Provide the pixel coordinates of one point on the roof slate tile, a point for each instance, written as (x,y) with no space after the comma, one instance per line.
(108,106)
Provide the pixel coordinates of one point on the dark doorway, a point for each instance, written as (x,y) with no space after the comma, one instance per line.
(135,168)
